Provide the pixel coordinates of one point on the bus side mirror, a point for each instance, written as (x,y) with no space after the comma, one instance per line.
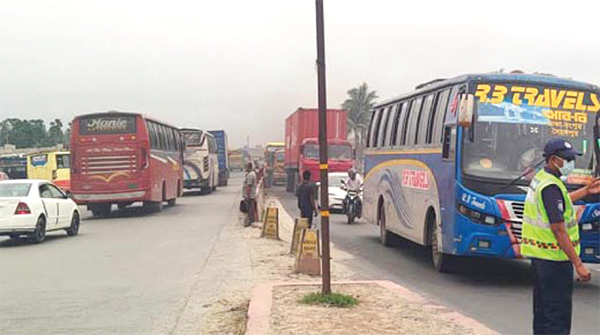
(466,110)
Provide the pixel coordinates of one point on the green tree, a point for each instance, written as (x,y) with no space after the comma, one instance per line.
(55,132)
(23,133)
(359,103)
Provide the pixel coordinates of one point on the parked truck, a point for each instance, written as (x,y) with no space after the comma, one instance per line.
(223,157)
(302,145)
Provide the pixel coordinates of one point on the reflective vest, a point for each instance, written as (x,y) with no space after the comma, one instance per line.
(538,240)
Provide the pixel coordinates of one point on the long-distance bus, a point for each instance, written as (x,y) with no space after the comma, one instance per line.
(448,165)
(201,167)
(122,158)
(51,166)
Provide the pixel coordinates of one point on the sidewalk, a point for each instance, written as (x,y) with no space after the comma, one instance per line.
(248,276)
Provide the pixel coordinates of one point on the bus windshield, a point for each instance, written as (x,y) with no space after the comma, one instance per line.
(336,151)
(510,134)
(193,138)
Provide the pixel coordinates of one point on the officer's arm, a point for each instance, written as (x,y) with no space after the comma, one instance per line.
(584,191)
(559,231)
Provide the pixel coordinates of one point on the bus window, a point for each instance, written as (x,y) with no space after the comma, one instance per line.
(62,161)
(153,136)
(375,128)
(382,127)
(405,118)
(439,116)
(423,124)
(449,150)
(413,126)
(389,132)
(394,131)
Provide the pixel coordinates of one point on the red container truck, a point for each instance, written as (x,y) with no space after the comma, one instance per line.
(302,144)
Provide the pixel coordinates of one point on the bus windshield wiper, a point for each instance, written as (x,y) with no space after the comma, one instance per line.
(528,170)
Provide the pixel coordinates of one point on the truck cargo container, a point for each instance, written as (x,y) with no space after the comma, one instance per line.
(302,148)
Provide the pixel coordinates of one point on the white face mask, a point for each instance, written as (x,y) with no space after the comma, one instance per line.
(567,168)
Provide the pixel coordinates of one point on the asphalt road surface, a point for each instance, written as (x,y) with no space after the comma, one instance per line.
(128,274)
(495,292)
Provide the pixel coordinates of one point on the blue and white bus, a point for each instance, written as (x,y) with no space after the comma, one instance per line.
(448,165)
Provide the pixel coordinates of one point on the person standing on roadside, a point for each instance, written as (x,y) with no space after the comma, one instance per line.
(551,239)
(249,193)
(306,198)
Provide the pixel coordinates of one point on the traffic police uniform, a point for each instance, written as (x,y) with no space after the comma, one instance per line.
(548,202)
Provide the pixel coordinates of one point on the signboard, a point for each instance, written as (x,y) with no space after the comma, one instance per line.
(308,257)
(39,160)
(299,225)
(270,227)
(107,125)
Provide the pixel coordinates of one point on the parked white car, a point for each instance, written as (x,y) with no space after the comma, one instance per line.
(336,194)
(34,207)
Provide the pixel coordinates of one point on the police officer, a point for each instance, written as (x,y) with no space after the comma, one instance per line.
(551,239)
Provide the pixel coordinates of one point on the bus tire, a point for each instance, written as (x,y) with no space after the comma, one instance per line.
(100,210)
(153,206)
(384,235)
(205,190)
(441,262)
(171,202)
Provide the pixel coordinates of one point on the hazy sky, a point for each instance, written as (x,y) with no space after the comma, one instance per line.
(245,65)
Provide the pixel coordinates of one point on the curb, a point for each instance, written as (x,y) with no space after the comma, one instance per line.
(259,311)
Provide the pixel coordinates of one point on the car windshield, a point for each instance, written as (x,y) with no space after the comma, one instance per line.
(510,137)
(11,190)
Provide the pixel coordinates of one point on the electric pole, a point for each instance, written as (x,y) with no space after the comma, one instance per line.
(323,166)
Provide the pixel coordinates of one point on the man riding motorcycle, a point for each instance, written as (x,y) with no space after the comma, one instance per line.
(354,182)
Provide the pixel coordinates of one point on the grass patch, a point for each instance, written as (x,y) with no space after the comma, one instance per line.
(329,300)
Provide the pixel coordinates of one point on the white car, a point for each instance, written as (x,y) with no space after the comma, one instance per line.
(34,207)
(336,194)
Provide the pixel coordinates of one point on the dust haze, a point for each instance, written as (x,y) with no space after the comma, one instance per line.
(243,66)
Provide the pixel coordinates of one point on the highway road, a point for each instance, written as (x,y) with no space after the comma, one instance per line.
(495,292)
(128,274)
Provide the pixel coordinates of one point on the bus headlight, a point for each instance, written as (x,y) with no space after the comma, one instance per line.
(590,226)
(478,217)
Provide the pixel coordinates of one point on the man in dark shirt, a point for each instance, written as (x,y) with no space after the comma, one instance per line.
(306,198)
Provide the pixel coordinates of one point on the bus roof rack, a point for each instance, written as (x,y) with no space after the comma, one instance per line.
(420,86)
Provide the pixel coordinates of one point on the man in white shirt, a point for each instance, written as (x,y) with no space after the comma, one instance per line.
(354,182)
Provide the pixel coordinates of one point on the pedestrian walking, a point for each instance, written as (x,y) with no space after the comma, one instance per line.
(306,198)
(249,193)
(551,239)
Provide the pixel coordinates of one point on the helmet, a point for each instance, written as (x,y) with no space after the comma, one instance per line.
(352,173)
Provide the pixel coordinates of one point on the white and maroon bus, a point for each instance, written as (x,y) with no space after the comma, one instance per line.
(122,158)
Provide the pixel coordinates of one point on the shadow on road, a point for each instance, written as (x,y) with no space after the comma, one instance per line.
(24,241)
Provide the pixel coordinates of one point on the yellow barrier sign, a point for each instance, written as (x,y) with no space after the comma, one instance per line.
(270,227)
(308,257)
(299,225)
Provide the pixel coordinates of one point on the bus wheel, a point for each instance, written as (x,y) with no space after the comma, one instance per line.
(171,202)
(153,206)
(441,261)
(100,210)
(205,190)
(384,235)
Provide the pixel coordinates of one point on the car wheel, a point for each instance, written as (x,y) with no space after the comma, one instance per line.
(39,234)
(75,222)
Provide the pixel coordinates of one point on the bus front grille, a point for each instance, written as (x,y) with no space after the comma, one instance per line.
(108,164)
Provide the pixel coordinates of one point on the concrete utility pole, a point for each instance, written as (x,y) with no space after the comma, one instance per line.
(323,166)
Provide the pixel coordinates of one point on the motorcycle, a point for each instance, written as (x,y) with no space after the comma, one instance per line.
(352,203)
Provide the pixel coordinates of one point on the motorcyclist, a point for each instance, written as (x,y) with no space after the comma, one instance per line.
(354,182)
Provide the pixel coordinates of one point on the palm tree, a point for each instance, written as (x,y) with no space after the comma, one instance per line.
(359,103)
